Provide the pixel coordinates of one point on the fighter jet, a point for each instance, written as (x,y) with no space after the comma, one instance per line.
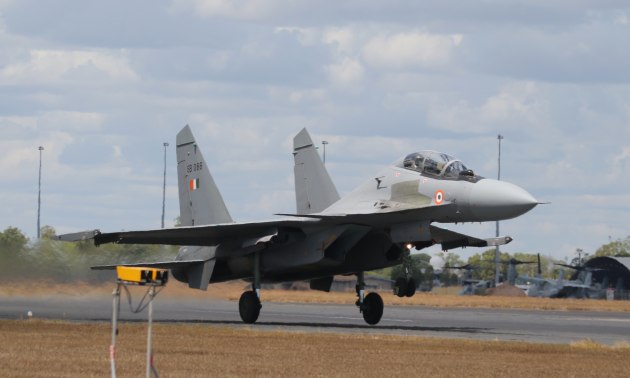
(373,227)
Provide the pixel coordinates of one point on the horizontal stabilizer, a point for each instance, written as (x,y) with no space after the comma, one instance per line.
(157,265)
(199,275)
(78,236)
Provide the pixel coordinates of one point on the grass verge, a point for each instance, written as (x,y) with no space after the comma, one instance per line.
(37,348)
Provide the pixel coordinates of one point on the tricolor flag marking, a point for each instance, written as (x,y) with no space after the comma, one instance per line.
(194,184)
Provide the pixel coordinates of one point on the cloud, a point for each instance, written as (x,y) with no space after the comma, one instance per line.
(84,122)
(59,132)
(117,152)
(623,156)
(591,52)
(44,66)
(516,106)
(622,18)
(309,95)
(410,49)
(21,153)
(237,9)
(306,36)
(346,74)
(343,38)
(620,166)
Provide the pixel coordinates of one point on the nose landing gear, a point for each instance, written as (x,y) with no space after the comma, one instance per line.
(405,286)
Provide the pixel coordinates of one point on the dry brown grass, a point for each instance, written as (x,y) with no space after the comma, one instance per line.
(232,291)
(35,348)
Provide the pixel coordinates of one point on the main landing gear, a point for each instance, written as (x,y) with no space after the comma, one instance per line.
(249,305)
(371,305)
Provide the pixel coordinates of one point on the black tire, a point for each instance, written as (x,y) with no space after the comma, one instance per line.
(372,308)
(400,287)
(249,307)
(411,288)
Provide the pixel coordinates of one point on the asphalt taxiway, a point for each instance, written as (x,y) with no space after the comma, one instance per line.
(469,323)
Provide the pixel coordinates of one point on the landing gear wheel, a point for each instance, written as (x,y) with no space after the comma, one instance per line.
(372,308)
(400,287)
(249,307)
(411,288)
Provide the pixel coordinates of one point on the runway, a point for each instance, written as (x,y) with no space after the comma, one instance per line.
(484,324)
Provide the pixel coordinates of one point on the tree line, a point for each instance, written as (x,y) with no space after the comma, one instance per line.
(49,259)
(484,265)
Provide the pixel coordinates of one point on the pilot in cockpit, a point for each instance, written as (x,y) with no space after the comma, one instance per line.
(437,164)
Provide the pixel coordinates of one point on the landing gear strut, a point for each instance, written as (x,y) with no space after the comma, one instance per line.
(371,305)
(249,305)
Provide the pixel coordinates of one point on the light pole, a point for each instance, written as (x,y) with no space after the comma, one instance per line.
(324,143)
(497,253)
(39,192)
(164,186)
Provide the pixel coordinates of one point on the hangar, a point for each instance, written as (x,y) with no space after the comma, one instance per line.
(612,273)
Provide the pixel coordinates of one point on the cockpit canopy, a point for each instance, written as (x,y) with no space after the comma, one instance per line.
(436,164)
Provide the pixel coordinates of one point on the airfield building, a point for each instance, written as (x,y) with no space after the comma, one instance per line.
(612,273)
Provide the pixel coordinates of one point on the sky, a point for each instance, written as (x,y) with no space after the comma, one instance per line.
(102,85)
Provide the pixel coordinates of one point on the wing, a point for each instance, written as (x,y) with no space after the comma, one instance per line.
(576,285)
(207,235)
(212,235)
(536,280)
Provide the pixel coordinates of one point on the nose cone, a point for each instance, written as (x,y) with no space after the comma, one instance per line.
(497,200)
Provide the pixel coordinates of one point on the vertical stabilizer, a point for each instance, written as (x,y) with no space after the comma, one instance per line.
(588,279)
(314,189)
(200,201)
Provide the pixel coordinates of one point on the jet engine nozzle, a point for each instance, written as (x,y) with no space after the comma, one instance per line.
(498,200)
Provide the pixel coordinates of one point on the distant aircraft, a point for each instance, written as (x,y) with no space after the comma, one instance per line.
(373,227)
(512,263)
(471,286)
(582,287)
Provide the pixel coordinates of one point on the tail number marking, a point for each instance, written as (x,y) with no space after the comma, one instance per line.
(194,167)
